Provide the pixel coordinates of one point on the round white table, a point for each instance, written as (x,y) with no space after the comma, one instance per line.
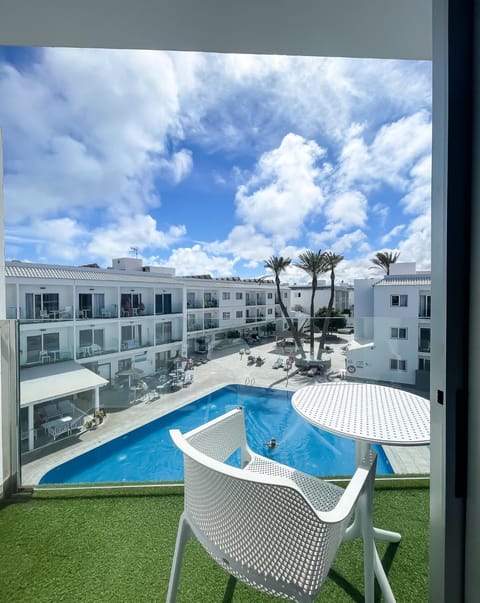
(369,414)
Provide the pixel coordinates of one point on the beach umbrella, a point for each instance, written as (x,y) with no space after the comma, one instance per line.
(130,372)
(177,360)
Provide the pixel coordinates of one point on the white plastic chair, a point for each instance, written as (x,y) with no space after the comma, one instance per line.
(273,527)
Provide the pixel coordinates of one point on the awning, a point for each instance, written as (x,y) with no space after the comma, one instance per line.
(56,380)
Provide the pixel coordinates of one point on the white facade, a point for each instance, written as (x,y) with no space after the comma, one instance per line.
(300,297)
(392,329)
(106,319)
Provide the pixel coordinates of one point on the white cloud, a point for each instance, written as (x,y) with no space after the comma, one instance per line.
(347,209)
(243,242)
(283,191)
(195,261)
(62,238)
(417,247)
(396,230)
(102,129)
(115,240)
(394,151)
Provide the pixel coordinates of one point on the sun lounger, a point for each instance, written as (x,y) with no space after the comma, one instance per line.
(278,363)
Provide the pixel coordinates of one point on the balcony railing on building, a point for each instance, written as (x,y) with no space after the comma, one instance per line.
(211,324)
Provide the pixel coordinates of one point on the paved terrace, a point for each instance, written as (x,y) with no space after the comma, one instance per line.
(226,367)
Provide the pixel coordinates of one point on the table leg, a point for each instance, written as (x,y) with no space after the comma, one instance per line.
(362,527)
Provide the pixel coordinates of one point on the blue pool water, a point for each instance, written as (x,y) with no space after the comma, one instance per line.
(147,454)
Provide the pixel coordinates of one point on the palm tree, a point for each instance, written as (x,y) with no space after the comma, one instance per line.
(331,262)
(277,265)
(384,259)
(313,263)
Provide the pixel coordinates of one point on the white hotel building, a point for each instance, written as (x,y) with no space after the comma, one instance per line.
(127,316)
(392,328)
(107,318)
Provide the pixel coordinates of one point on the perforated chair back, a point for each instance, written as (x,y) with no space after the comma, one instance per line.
(268,525)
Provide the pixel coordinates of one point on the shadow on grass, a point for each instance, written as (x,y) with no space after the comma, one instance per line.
(230,590)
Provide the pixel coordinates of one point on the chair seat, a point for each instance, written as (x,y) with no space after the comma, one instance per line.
(322,495)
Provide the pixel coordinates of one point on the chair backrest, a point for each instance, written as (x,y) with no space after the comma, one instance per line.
(66,407)
(260,527)
(51,411)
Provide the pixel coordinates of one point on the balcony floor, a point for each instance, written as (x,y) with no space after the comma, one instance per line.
(103,546)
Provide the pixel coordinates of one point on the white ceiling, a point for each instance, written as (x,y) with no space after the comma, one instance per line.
(349,28)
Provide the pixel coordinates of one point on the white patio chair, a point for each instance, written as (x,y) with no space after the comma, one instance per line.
(273,527)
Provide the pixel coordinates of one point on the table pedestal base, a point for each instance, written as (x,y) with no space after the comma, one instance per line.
(360,527)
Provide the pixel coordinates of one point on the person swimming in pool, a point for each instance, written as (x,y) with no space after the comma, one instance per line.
(272,443)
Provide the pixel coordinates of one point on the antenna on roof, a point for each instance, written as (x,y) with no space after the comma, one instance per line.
(134,250)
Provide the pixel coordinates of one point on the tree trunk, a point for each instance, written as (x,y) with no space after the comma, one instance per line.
(326,322)
(291,325)
(312,319)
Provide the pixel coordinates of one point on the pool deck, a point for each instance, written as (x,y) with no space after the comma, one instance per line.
(226,367)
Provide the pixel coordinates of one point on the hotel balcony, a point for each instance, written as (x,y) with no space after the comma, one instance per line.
(211,323)
(44,356)
(86,351)
(133,344)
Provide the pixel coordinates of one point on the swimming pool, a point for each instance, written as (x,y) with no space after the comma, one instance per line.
(147,454)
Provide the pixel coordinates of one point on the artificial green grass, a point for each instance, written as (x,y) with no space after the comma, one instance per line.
(114,546)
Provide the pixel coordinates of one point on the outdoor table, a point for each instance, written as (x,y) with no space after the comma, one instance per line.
(368,414)
(58,426)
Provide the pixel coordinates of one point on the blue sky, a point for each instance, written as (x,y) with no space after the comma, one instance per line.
(213,163)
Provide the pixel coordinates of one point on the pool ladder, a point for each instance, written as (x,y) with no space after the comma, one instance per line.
(250,381)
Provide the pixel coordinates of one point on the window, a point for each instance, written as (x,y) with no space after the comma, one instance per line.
(269,295)
(40,305)
(425,306)
(285,294)
(399,300)
(47,342)
(398,365)
(163,303)
(226,315)
(130,302)
(238,295)
(239,314)
(269,311)
(131,336)
(163,332)
(398,333)
(299,295)
(424,364)
(424,340)
(225,295)
(88,337)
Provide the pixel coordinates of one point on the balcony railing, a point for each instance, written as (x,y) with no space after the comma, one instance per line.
(165,340)
(210,303)
(87,351)
(194,326)
(211,324)
(191,305)
(132,344)
(46,357)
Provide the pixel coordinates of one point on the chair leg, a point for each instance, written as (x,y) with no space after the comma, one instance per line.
(183,534)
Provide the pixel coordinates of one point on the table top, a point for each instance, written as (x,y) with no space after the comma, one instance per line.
(54,422)
(363,411)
